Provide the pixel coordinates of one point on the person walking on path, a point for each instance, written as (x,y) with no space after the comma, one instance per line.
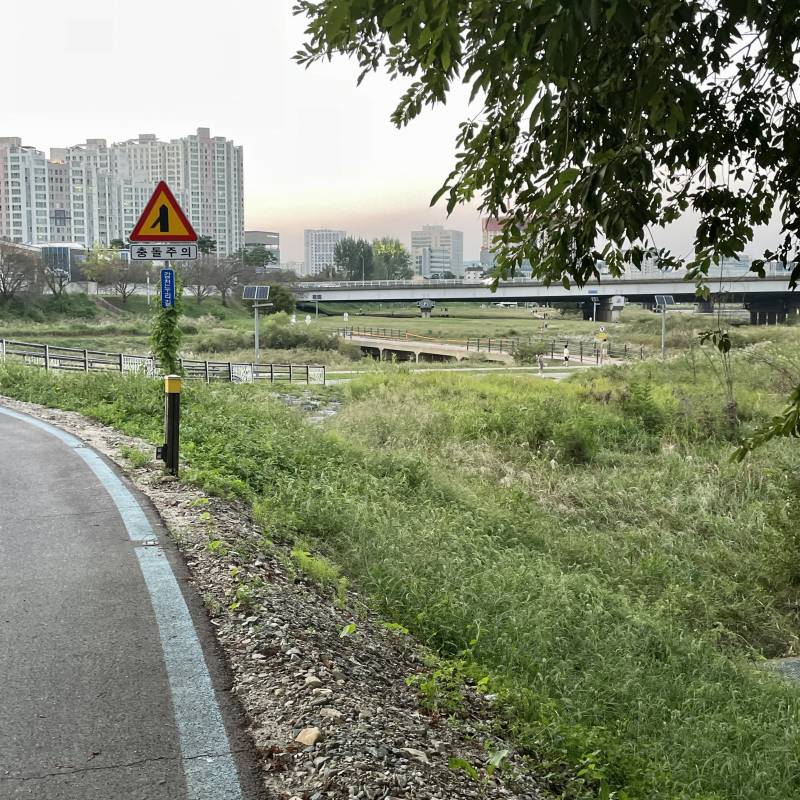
(566,355)
(541,365)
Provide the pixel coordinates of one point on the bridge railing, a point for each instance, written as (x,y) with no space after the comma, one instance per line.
(581,349)
(70,359)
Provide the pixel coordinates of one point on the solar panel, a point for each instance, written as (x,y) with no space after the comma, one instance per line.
(665,300)
(255,293)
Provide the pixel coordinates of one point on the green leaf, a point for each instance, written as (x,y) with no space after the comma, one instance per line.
(462,764)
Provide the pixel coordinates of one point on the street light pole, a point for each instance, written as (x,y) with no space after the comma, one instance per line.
(256,307)
(663,331)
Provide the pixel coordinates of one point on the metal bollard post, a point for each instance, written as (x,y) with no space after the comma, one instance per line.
(169,452)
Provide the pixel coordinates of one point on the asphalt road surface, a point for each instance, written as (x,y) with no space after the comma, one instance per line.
(110,684)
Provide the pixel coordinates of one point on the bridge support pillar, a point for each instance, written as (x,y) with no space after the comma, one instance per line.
(767,311)
(706,306)
(606,312)
(602,311)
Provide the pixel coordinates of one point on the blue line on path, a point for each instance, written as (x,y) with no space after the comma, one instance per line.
(208,764)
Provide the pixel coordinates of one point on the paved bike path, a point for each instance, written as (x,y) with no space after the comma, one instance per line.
(110,686)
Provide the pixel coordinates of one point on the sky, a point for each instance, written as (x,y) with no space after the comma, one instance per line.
(319,151)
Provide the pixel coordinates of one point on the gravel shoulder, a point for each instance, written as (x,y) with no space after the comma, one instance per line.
(321,679)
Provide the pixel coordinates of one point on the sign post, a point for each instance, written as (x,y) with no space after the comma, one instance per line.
(169,451)
(163,232)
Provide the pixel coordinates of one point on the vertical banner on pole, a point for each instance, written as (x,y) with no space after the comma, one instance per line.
(167,288)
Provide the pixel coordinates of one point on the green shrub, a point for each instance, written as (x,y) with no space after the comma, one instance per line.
(349,350)
(222,341)
(575,441)
(281,335)
(528,352)
(38,308)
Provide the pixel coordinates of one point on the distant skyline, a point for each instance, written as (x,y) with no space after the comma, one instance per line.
(319,152)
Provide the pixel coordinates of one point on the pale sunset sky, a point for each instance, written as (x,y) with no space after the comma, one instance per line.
(318,150)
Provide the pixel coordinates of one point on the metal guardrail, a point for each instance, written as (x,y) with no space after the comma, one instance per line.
(580,349)
(728,272)
(72,359)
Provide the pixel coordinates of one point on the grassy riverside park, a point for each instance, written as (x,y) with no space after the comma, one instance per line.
(589,545)
(225,333)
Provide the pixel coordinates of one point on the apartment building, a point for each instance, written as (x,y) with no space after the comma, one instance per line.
(93,193)
(319,244)
(436,250)
(24,201)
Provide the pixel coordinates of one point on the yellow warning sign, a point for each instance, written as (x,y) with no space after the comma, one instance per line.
(163,220)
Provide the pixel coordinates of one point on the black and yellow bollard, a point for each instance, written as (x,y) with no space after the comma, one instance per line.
(169,453)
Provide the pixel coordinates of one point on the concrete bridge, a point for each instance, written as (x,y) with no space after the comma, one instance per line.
(383,343)
(768,299)
(408,347)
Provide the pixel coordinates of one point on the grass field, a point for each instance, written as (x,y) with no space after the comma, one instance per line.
(588,546)
(213,331)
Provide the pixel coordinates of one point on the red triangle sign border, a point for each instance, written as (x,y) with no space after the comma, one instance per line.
(138,236)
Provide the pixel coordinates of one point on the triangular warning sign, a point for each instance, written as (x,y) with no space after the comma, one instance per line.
(163,220)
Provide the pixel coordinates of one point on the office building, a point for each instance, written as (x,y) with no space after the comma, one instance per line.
(318,245)
(93,193)
(436,250)
(270,240)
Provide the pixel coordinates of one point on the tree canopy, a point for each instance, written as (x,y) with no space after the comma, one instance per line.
(353,259)
(282,299)
(599,121)
(19,269)
(206,245)
(257,255)
(391,260)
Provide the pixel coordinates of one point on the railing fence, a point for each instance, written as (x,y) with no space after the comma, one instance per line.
(72,359)
(584,350)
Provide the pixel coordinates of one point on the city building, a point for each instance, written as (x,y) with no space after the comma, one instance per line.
(205,174)
(319,244)
(24,203)
(298,267)
(271,240)
(93,193)
(436,250)
(491,228)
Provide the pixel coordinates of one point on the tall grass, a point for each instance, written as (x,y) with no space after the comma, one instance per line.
(587,544)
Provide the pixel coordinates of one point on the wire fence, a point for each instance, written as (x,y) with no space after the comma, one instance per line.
(70,359)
